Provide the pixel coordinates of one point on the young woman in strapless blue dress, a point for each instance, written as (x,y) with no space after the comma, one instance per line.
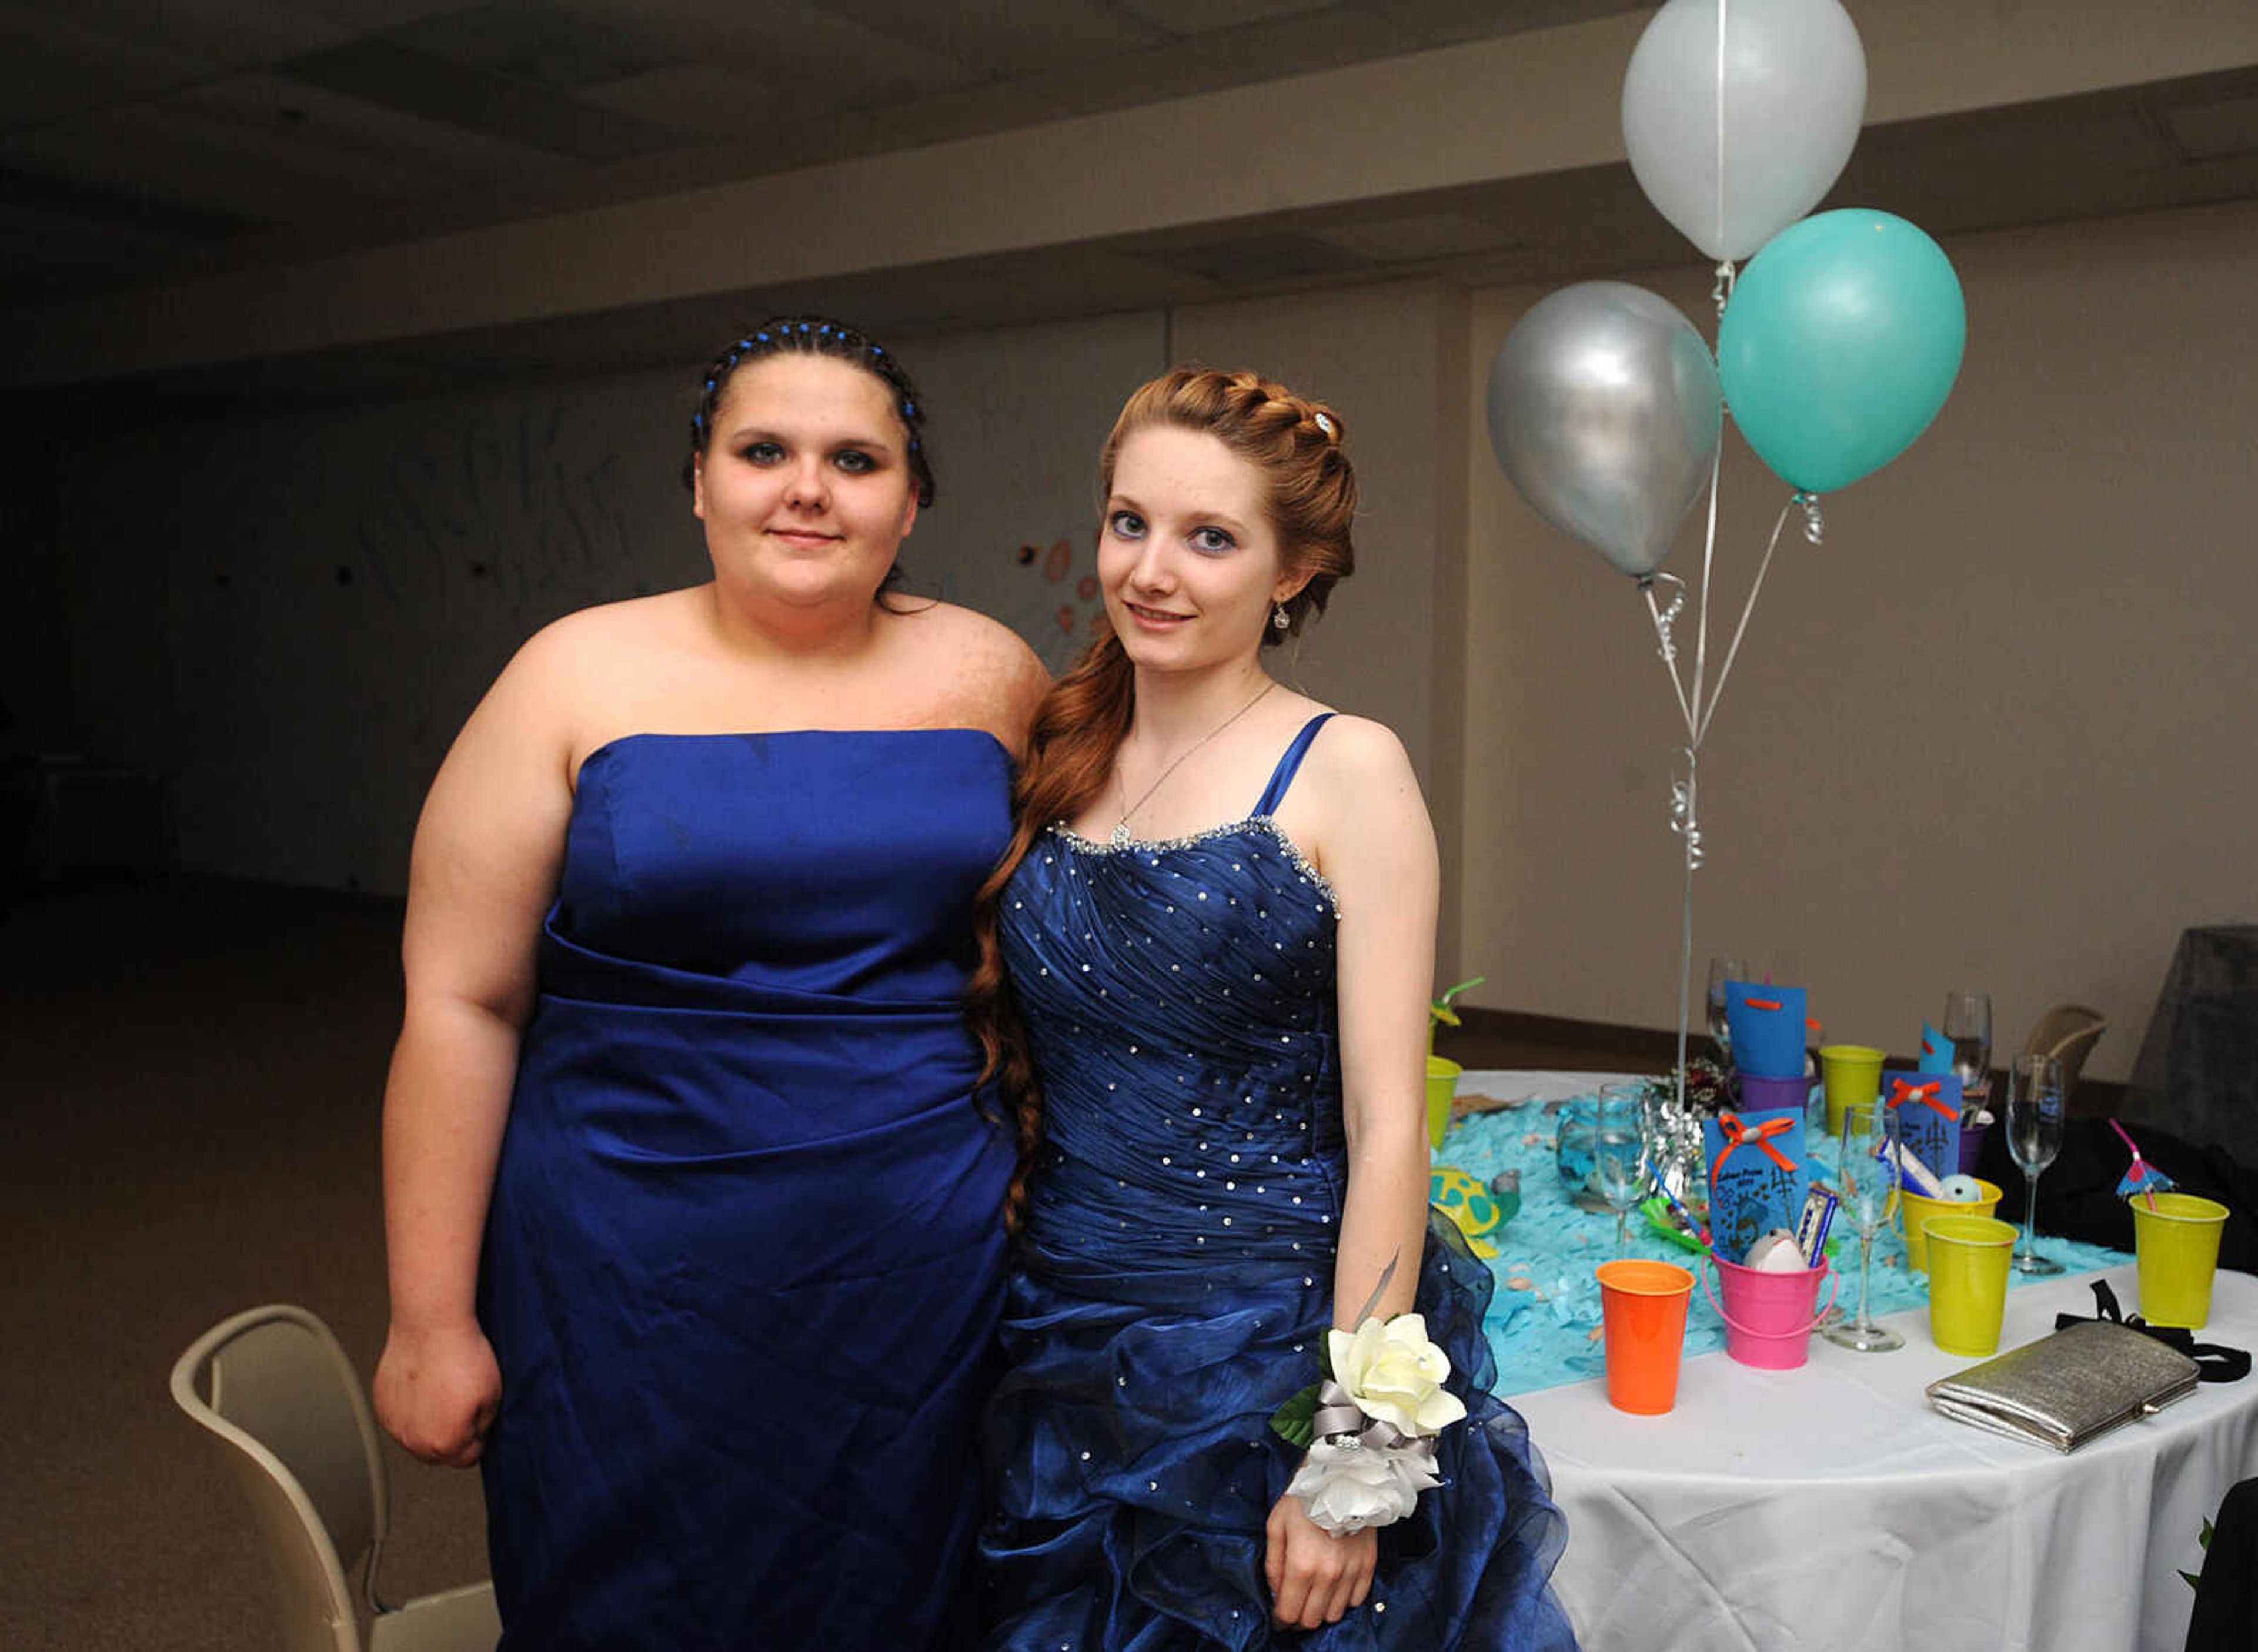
(688,930)
(1218,925)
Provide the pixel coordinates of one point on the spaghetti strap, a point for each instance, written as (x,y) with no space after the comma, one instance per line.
(1289,766)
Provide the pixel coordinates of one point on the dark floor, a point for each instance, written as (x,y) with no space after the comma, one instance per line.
(189,1127)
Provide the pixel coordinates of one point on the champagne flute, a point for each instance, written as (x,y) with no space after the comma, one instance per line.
(2037,1110)
(1620,1168)
(1866,1180)
(1721,971)
(1968,1023)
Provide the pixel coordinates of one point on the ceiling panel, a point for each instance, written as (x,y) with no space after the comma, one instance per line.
(543,43)
(2214,128)
(829,59)
(971,111)
(1298,45)
(186,39)
(1449,22)
(720,99)
(1005,37)
(1198,17)
(381,72)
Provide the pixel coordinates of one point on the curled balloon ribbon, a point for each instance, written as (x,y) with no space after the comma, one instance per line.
(1665,614)
(1814,525)
(1757,1136)
(1927,1095)
(1684,815)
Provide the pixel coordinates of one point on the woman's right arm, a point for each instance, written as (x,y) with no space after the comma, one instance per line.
(488,849)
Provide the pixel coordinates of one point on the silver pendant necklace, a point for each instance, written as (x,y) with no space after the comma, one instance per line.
(1120,835)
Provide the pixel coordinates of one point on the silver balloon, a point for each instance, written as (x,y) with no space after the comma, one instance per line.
(1604,411)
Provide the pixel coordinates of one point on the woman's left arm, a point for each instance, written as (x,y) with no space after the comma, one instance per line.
(1377,848)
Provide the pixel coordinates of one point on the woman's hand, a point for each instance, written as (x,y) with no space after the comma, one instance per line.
(437,1393)
(1316,1579)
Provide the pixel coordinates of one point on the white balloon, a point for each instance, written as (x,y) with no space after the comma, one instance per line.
(1791,75)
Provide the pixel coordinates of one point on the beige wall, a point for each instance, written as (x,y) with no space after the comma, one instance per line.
(1996,732)
(1393,359)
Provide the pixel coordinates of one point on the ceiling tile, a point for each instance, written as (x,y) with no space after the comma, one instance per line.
(1153,76)
(1449,22)
(360,18)
(971,111)
(398,78)
(1201,17)
(2213,129)
(1298,45)
(193,38)
(830,59)
(1005,37)
(719,99)
(532,41)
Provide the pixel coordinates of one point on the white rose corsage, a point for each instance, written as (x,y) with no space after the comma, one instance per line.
(1369,1425)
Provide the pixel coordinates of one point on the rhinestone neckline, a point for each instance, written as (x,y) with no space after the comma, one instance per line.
(1265,824)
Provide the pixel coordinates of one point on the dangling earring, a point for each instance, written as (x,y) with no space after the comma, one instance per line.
(1279,618)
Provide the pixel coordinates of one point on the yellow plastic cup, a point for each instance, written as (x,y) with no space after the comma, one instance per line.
(1853,1073)
(1442,1089)
(1968,1258)
(2175,1249)
(1920,1208)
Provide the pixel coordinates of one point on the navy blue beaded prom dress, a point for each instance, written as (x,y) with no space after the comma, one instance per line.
(746,1251)
(1175,1279)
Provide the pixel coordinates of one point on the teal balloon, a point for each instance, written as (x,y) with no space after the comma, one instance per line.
(1839,345)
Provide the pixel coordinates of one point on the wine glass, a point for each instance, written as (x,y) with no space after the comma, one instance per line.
(2036,1112)
(1721,971)
(1619,1170)
(1866,1180)
(1575,1149)
(1968,1023)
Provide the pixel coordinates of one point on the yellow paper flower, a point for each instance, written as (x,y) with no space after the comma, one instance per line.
(1395,1374)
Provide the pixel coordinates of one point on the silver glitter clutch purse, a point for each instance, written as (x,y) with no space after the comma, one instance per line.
(2063,1390)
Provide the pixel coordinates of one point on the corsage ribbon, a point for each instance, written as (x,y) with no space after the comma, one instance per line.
(1338,1413)
(1927,1095)
(1757,1136)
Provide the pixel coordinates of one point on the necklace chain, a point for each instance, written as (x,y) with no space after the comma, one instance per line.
(1121,828)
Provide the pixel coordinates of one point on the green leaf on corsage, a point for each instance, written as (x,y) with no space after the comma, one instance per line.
(1292,1421)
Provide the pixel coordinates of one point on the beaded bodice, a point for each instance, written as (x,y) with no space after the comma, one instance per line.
(1179,1000)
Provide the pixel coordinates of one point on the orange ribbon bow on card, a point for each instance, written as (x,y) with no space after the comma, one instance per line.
(1758,1136)
(1901,1091)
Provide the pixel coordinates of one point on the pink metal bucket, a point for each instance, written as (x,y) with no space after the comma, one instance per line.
(1768,1316)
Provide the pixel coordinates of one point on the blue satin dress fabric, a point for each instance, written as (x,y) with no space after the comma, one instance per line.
(1175,1280)
(746,1251)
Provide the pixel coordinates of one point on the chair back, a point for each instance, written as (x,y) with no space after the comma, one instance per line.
(2068,1032)
(275,1389)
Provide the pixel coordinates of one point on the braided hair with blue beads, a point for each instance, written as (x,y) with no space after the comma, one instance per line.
(813,336)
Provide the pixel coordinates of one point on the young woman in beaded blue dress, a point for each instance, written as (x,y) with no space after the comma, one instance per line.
(689,923)
(1217,924)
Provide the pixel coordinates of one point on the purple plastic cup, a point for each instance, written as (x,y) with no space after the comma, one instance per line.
(1773,1095)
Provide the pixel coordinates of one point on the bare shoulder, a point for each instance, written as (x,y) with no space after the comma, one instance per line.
(1351,752)
(992,679)
(609,630)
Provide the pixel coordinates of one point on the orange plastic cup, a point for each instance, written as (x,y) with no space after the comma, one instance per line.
(1643,1306)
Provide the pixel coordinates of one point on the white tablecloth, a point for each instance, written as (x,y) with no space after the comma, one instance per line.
(1831,1508)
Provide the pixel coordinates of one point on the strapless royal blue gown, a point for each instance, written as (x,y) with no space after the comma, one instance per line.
(746,1249)
(1176,1278)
